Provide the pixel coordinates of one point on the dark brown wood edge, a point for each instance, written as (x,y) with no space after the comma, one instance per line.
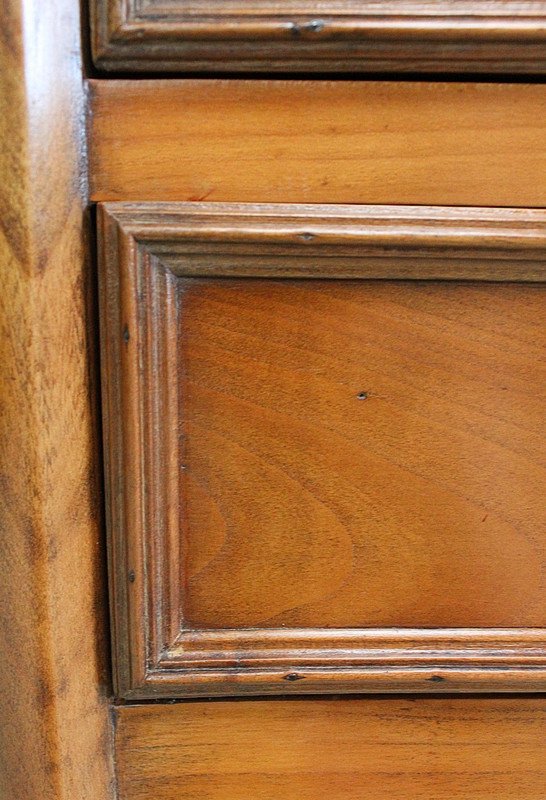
(338,241)
(55,732)
(145,248)
(408,36)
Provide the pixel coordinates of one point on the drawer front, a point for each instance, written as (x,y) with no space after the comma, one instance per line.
(435,748)
(290,141)
(325,452)
(266,35)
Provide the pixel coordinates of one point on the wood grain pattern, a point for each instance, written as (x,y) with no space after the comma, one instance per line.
(318,142)
(324,485)
(54,728)
(370,748)
(338,36)
(418,502)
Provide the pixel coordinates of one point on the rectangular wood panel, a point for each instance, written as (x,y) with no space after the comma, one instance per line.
(366,748)
(324,485)
(335,36)
(362,454)
(319,142)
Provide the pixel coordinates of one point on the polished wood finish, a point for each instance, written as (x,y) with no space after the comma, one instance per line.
(338,36)
(235,140)
(54,727)
(334,241)
(318,142)
(324,485)
(367,748)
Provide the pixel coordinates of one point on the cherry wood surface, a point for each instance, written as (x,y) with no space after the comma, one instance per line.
(362,454)
(333,36)
(286,141)
(324,485)
(368,748)
(54,725)
(318,141)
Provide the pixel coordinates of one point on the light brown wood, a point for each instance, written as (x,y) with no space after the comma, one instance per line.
(54,728)
(319,142)
(337,36)
(367,748)
(324,485)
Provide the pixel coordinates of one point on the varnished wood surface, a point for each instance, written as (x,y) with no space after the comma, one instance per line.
(338,36)
(315,483)
(363,455)
(319,142)
(282,240)
(367,748)
(54,729)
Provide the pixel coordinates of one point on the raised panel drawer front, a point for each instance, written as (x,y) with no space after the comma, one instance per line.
(324,440)
(485,36)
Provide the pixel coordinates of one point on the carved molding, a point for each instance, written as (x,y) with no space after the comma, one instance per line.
(145,250)
(488,36)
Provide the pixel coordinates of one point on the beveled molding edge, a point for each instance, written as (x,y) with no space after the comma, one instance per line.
(306,661)
(144,249)
(408,36)
(337,241)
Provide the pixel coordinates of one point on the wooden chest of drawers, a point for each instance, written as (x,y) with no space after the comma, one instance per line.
(273,395)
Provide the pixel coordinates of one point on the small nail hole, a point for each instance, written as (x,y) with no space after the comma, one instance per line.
(315,25)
